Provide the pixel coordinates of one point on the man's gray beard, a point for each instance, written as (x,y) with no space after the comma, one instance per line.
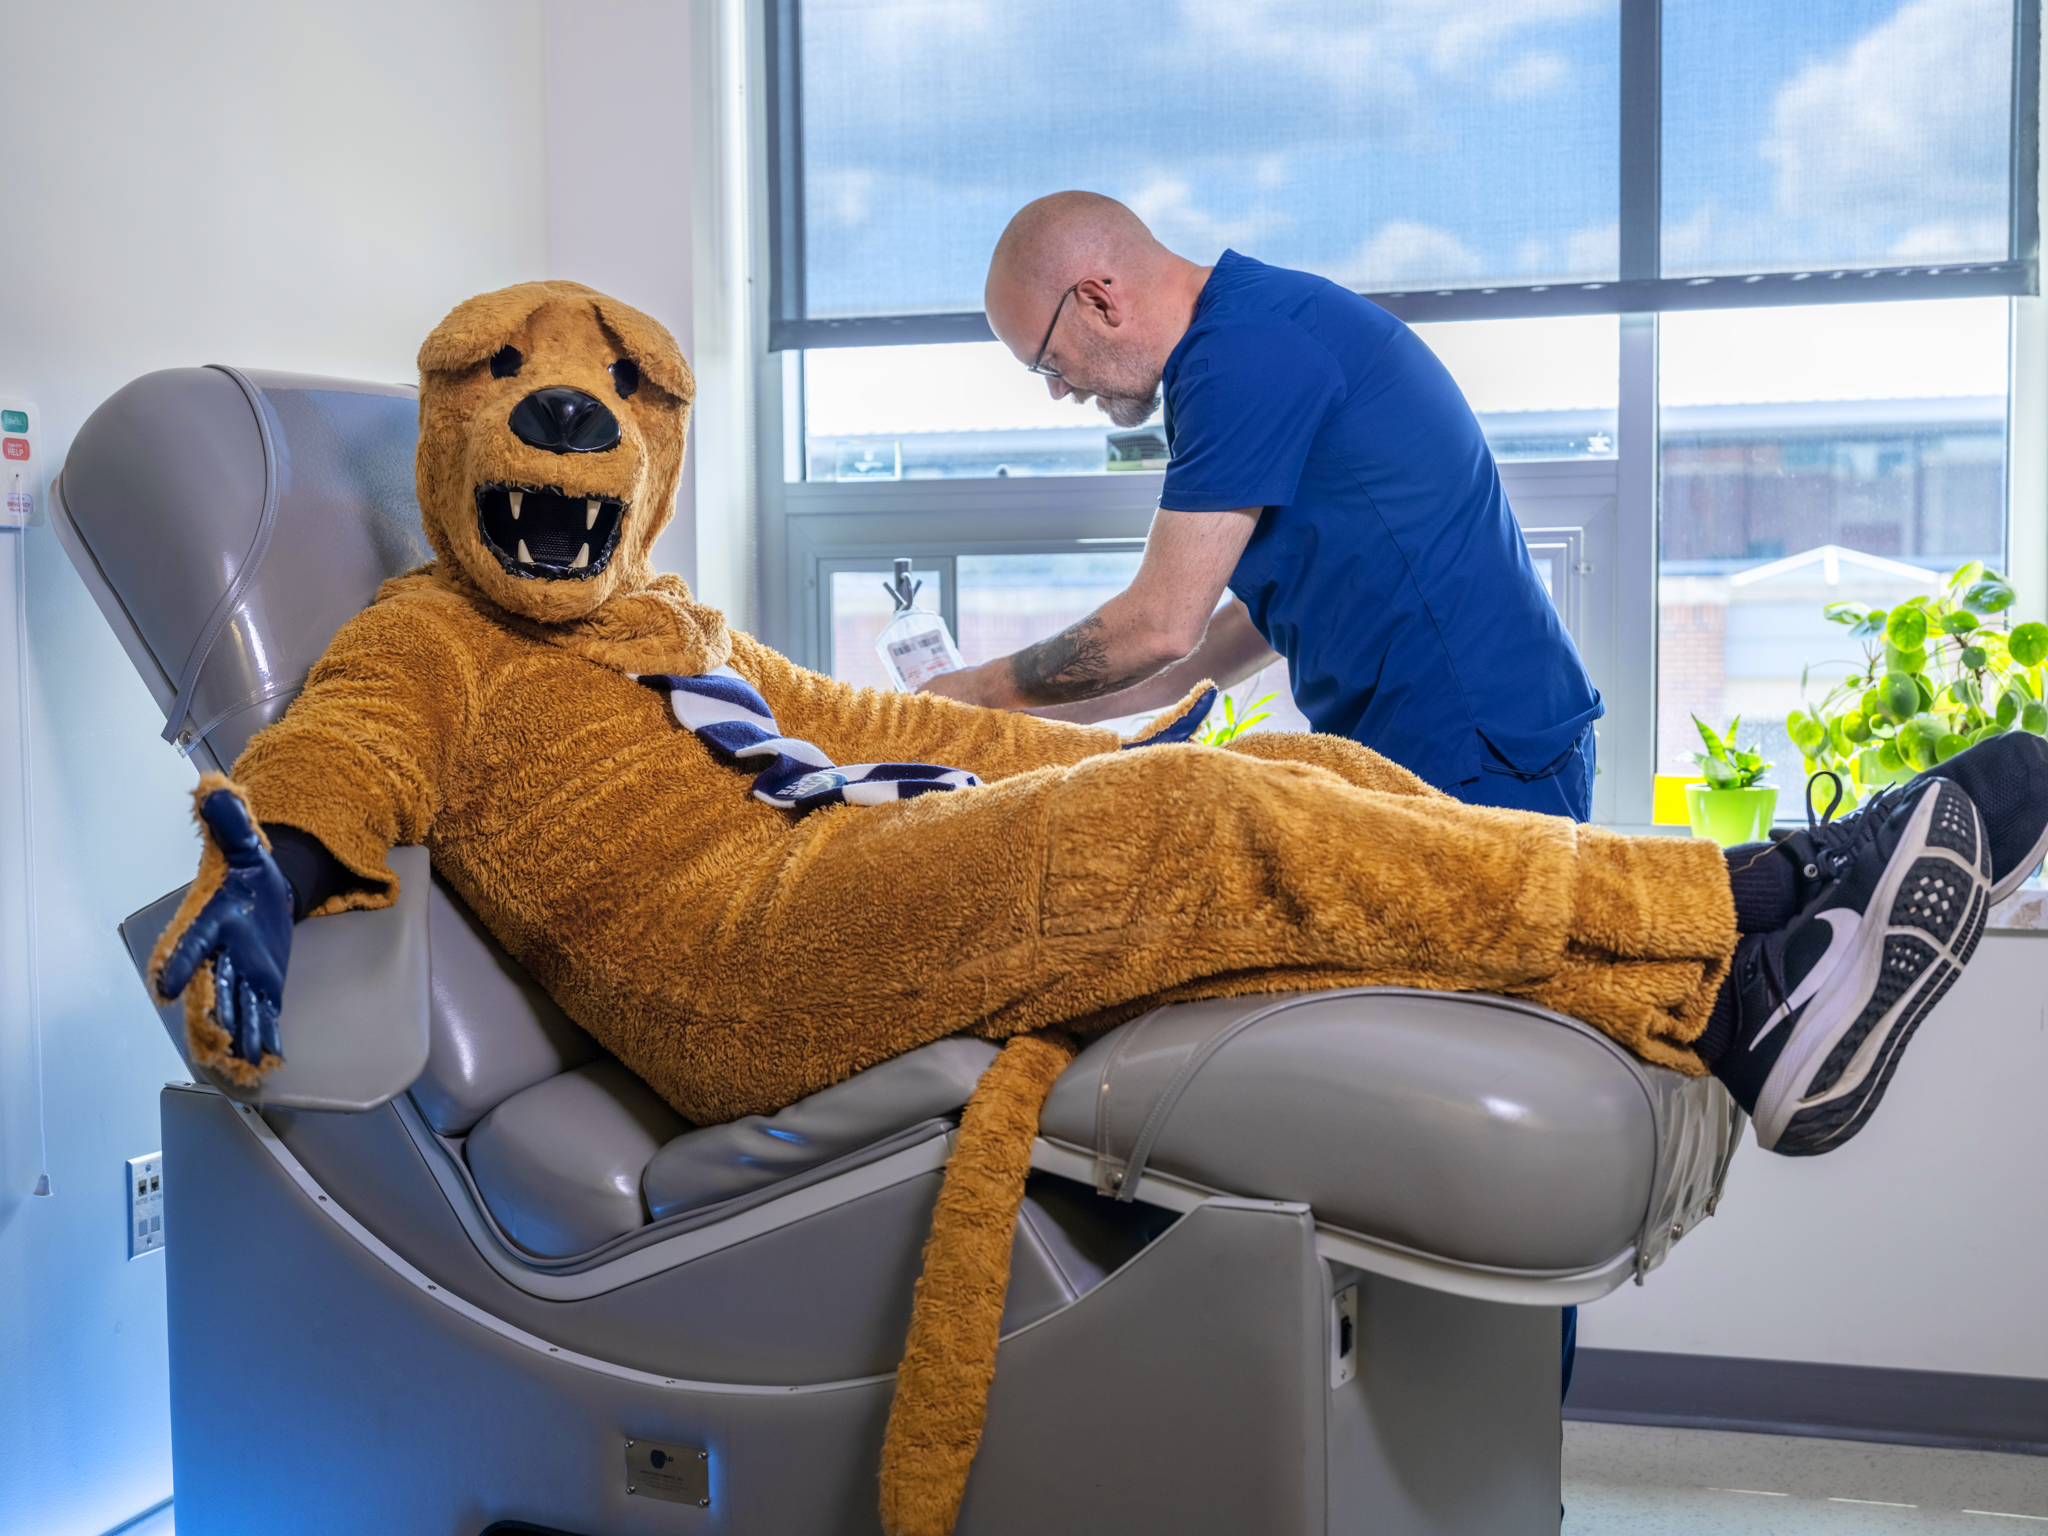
(1129,411)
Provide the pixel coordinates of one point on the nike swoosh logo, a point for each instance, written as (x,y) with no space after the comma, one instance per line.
(1843,924)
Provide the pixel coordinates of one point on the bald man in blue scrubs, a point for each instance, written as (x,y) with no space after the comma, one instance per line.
(1326,470)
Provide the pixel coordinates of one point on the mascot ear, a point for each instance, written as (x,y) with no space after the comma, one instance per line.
(477,327)
(649,344)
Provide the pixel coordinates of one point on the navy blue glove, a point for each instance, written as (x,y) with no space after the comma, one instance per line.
(245,929)
(1182,727)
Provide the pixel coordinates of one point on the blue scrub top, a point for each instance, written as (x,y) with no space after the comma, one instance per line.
(1386,567)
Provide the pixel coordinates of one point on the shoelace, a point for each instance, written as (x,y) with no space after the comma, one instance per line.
(1830,845)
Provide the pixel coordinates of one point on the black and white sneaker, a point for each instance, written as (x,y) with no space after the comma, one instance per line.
(2006,778)
(1826,1005)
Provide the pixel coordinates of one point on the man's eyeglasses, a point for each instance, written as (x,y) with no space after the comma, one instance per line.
(1037,364)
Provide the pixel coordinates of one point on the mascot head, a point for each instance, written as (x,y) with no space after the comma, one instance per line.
(551,444)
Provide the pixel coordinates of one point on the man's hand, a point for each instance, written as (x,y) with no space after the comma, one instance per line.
(1153,623)
(245,929)
(973,685)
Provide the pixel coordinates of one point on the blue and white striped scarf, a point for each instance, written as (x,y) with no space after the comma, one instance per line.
(732,718)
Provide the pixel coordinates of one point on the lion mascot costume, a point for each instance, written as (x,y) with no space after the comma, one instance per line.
(648,810)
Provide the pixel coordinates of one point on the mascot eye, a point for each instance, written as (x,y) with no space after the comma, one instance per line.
(625,376)
(505,362)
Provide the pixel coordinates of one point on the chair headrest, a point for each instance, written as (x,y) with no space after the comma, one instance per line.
(229,522)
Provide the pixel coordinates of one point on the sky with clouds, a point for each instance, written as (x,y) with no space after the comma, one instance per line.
(1396,142)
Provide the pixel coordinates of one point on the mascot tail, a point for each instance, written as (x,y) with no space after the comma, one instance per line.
(942,1385)
(206,1043)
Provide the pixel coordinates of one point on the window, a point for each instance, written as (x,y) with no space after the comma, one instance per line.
(1542,388)
(952,412)
(857,594)
(1812,456)
(1836,134)
(1008,601)
(1727,285)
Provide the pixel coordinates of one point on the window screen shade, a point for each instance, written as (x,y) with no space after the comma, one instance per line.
(1381,145)
(1452,158)
(1836,133)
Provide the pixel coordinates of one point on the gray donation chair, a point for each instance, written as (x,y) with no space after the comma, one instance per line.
(1287,1265)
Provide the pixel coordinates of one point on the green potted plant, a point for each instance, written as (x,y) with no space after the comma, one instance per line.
(1940,672)
(1224,725)
(1730,807)
(1233,725)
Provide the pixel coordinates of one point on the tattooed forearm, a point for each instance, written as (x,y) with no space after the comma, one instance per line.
(1072,665)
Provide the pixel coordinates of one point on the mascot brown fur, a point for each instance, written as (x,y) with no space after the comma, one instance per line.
(738,957)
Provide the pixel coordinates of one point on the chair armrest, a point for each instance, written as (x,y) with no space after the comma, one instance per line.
(354,1022)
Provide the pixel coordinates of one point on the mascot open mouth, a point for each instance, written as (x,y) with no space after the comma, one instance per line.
(544,533)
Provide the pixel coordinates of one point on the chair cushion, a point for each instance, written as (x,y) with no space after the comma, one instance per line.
(721,1161)
(1467,1127)
(559,1164)
(176,476)
(491,1031)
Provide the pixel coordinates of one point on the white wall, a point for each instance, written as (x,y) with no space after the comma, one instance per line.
(617,103)
(305,187)
(1922,1244)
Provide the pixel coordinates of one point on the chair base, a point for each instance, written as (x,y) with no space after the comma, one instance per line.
(322,1384)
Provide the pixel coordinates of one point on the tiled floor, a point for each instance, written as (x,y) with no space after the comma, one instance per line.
(1622,1480)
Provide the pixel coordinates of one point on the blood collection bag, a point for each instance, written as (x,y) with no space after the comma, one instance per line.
(915,645)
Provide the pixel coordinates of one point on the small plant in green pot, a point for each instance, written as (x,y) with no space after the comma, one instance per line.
(1730,807)
(1941,671)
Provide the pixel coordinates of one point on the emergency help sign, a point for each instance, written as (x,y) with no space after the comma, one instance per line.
(21,469)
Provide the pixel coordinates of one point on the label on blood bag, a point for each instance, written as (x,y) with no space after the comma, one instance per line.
(921,657)
(20,465)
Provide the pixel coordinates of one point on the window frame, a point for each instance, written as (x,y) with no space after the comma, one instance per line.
(803,528)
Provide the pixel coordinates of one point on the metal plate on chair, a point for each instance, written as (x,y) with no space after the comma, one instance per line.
(680,1474)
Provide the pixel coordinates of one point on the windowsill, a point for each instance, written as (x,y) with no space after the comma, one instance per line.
(2024,911)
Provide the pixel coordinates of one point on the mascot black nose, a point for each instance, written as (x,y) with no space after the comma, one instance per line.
(565,421)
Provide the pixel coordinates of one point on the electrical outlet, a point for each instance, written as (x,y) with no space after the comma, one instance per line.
(1344,1340)
(145,1204)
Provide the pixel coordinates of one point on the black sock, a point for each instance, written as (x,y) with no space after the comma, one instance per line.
(1719,1034)
(1761,877)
